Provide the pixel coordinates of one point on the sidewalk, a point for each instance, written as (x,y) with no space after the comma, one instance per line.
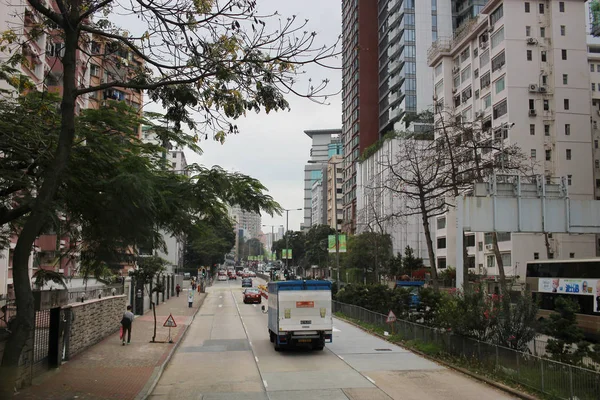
(109,370)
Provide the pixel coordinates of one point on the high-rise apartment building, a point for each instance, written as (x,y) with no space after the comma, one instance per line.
(109,62)
(521,63)
(325,144)
(386,74)
(335,182)
(465,10)
(360,94)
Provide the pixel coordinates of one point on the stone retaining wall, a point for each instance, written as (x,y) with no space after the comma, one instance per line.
(94,320)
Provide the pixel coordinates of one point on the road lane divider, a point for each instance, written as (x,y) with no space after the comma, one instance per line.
(249,342)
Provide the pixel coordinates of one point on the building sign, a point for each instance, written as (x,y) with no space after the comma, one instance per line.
(341,241)
(582,287)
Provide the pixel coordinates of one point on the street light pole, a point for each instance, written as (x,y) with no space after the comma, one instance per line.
(287,213)
(335,218)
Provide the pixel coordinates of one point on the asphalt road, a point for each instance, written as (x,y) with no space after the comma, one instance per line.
(227,355)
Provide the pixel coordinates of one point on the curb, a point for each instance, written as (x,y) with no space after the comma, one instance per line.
(144,393)
(464,371)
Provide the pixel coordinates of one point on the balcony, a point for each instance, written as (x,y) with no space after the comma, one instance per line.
(447,45)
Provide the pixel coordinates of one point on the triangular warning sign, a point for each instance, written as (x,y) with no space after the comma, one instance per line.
(170,322)
(391,317)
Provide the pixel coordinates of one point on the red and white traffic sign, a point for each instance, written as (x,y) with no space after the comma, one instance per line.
(391,317)
(170,322)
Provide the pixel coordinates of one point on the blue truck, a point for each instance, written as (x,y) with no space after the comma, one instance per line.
(414,287)
(300,313)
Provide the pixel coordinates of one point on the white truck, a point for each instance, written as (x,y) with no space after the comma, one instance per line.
(300,313)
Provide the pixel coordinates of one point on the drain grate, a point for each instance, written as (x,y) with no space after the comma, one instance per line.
(383,349)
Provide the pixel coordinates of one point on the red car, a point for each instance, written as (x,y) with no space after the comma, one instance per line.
(232,275)
(252,295)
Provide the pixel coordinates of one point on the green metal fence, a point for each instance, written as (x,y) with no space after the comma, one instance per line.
(563,381)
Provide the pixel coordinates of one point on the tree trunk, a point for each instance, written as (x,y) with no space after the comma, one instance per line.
(154,313)
(432,262)
(499,261)
(25,319)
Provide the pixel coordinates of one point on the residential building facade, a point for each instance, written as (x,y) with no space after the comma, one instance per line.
(391,58)
(529,72)
(325,143)
(319,202)
(335,183)
(384,211)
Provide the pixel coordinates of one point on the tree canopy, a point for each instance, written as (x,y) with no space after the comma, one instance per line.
(205,62)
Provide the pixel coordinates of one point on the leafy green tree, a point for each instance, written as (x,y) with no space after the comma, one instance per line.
(369,251)
(116,194)
(220,59)
(563,329)
(296,241)
(517,323)
(206,244)
(410,263)
(471,313)
(252,247)
(394,267)
(317,244)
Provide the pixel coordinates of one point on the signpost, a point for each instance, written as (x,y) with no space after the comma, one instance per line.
(170,323)
(391,318)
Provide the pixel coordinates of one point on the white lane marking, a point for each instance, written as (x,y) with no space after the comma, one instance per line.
(254,305)
(341,358)
(336,329)
(248,340)
(265,382)
(370,380)
(220,305)
(220,297)
(256,358)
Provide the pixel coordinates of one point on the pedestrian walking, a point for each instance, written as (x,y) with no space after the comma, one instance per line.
(191,298)
(178,289)
(126,324)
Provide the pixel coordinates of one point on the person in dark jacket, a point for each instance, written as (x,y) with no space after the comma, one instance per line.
(126,323)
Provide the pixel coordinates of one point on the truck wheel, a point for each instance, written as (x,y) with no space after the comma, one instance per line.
(277,346)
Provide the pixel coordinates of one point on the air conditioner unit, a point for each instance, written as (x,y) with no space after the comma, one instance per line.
(479,114)
(489,247)
(102,80)
(533,88)
(532,113)
(454,90)
(61,271)
(543,89)
(491,28)
(531,40)
(483,45)
(598,111)
(455,70)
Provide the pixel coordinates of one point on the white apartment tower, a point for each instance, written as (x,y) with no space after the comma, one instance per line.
(523,63)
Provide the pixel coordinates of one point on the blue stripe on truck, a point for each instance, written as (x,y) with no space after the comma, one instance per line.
(275,287)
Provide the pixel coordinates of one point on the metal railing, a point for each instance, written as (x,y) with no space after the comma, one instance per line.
(563,381)
(79,296)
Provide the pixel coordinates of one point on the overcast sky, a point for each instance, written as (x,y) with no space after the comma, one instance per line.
(274,148)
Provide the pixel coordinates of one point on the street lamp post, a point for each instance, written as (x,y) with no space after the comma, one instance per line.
(272,233)
(287,212)
(335,218)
